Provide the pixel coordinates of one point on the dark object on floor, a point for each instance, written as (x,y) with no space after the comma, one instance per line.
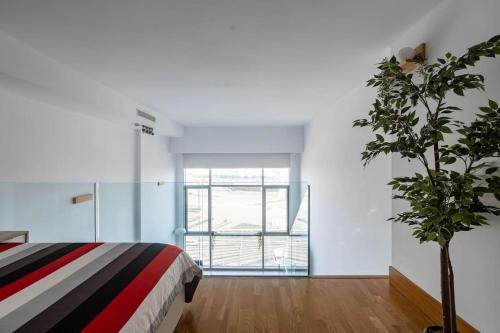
(190,288)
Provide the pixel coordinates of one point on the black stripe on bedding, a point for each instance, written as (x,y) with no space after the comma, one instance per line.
(69,302)
(25,266)
(85,312)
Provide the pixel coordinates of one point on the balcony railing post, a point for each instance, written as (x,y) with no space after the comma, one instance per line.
(308,230)
(96,212)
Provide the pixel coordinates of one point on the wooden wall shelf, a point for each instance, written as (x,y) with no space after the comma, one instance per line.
(82,198)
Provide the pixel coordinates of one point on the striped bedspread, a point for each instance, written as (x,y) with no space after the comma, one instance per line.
(91,287)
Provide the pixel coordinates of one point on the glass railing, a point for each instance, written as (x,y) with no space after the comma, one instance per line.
(248,230)
(226,229)
(47,212)
(87,212)
(298,261)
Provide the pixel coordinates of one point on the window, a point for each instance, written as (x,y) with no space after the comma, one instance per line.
(276,209)
(277,176)
(196,176)
(237,209)
(236,176)
(234,214)
(198,248)
(197,209)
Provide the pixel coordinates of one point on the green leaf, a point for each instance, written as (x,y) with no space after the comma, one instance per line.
(494,39)
(493,104)
(451,160)
(489,171)
(441,203)
(458,91)
(441,240)
(486,109)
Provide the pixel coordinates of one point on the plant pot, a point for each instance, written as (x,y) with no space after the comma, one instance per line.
(434,329)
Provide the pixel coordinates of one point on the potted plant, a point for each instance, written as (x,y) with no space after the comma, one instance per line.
(459,185)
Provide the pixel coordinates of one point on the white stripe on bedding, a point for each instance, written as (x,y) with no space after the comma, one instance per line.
(25,295)
(35,306)
(154,302)
(17,249)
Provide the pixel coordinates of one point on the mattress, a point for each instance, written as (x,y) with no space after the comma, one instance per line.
(91,287)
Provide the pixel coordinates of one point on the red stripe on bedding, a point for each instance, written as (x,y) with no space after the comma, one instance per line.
(42,272)
(6,246)
(119,311)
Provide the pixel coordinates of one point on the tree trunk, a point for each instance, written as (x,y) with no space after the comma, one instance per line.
(453,313)
(445,277)
(445,291)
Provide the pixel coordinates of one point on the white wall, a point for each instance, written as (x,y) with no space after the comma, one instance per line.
(349,203)
(236,161)
(59,125)
(157,201)
(41,143)
(239,140)
(156,162)
(454,26)
(27,72)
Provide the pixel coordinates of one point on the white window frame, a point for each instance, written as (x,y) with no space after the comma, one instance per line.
(212,234)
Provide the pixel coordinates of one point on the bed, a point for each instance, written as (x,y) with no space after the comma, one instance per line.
(94,287)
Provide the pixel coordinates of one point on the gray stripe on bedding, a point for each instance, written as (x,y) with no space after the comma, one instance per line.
(23,314)
(190,270)
(16,249)
(186,276)
(154,307)
(27,250)
(64,306)
(39,255)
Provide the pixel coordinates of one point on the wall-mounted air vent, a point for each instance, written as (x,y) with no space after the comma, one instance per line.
(147,130)
(146,116)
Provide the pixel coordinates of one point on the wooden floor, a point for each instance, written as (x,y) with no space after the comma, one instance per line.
(299,305)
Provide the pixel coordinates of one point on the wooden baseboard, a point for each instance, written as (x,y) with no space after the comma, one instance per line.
(425,302)
(349,276)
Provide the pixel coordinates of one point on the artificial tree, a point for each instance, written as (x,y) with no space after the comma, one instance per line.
(411,117)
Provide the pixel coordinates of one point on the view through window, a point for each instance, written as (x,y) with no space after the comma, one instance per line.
(238,218)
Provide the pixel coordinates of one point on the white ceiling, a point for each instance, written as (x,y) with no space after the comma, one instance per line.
(217,62)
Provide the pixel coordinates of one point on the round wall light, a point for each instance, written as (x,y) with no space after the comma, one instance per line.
(405,54)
